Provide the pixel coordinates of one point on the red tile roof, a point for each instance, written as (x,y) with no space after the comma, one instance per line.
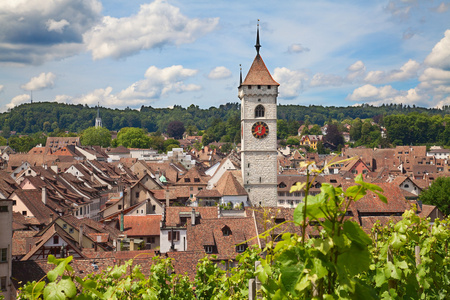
(140,226)
(258,74)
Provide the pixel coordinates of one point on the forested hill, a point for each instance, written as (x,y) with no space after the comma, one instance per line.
(48,116)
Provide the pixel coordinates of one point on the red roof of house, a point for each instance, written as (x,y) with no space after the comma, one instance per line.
(140,226)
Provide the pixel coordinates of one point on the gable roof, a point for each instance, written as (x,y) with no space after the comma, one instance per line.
(258,74)
(142,225)
(229,186)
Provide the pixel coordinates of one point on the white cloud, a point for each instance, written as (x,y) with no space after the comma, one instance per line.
(1,87)
(291,82)
(18,100)
(219,73)
(407,71)
(321,79)
(35,31)
(356,71)
(387,94)
(297,48)
(157,84)
(369,92)
(155,25)
(400,11)
(443,7)
(440,55)
(43,81)
(57,26)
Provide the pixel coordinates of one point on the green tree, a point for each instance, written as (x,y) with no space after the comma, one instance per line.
(3,141)
(93,136)
(293,141)
(282,129)
(132,137)
(438,194)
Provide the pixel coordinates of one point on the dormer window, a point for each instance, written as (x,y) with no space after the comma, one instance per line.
(209,249)
(241,248)
(259,111)
(187,180)
(226,231)
(282,185)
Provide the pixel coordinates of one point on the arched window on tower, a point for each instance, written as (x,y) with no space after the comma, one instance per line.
(259,111)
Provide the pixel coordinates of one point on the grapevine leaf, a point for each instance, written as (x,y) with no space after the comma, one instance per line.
(402,265)
(380,277)
(290,276)
(398,240)
(359,257)
(355,233)
(64,288)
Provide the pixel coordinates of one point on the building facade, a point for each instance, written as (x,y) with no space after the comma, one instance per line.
(258,94)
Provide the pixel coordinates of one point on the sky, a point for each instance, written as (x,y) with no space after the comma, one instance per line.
(129,53)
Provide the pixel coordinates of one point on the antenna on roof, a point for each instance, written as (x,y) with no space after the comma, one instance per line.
(257,46)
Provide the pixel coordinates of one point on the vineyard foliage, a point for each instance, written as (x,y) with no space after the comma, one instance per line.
(406,260)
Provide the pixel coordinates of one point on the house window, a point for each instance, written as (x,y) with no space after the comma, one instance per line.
(3,209)
(259,111)
(64,226)
(56,239)
(153,208)
(24,213)
(187,180)
(70,230)
(176,236)
(226,231)
(3,255)
(209,249)
(137,194)
(151,239)
(3,283)
(119,207)
(269,87)
(241,248)
(196,179)
(282,185)
(406,185)
(14,202)
(259,87)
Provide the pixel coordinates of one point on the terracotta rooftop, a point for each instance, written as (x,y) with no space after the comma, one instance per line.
(141,226)
(258,74)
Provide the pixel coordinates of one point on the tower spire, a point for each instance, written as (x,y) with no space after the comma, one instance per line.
(258,45)
(240,75)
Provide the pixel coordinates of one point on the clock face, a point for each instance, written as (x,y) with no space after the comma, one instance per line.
(260,130)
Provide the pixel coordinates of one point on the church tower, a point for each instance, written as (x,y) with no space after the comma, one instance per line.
(258,94)
(98,120)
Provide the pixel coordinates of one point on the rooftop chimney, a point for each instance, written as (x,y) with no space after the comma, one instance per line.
(44,195)
(193,217)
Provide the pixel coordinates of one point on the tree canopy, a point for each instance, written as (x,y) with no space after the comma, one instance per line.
(438,194)
(96,137)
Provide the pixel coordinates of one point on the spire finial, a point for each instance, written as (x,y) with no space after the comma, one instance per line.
(240,79)
(257,46)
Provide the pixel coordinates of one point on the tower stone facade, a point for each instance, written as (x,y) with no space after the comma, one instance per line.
(258,94)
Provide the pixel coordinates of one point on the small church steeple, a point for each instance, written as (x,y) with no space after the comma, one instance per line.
(258,45)
(98,120)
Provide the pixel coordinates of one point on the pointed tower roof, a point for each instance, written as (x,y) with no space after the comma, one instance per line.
(258,73)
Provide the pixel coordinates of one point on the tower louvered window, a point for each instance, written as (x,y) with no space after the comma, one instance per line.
(259,111)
